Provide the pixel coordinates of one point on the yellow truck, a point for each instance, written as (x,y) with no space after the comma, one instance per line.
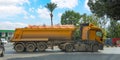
(40,38)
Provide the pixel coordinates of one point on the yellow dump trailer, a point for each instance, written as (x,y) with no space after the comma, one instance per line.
(44,33)
(40,38)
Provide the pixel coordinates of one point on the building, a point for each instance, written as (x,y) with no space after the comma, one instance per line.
(7,34)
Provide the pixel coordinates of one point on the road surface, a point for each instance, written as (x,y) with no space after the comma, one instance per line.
(111,53)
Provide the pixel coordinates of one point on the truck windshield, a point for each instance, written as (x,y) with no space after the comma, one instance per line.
(99,33)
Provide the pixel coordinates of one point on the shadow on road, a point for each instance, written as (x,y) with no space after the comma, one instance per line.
(49,51)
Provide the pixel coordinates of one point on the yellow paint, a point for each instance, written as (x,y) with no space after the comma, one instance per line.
(89,33)
(62,32)
(52,33)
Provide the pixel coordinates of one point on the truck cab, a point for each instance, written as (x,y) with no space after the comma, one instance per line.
(92,35)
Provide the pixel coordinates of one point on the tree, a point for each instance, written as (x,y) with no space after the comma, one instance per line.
(51,6)
(89,19)
(70,17)
(97,21)
(114,29)
(110,8)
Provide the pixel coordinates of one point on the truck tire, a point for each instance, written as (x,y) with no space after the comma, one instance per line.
(69,47)
(95,48)
(30,47)
(19,48)
(41,46)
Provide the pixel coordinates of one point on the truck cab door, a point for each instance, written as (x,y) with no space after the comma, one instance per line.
(95,35)
(91,34)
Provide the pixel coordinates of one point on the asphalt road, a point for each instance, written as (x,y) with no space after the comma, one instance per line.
(107,54)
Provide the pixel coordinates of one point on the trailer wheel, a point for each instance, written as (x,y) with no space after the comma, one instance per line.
(19,48)
(69,47)
(41,46)
(94,48)
(30,47)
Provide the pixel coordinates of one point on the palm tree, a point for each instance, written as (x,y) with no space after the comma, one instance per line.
(51,6)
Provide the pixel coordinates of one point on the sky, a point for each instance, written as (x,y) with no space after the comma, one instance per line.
(21,13)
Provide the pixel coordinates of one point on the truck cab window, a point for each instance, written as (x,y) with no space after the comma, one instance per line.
(99,33)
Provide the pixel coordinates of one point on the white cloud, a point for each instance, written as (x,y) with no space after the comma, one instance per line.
(13,2)
(43,13)
(12,7)
(86,6)
(11,25)
(66,3)
(11,10)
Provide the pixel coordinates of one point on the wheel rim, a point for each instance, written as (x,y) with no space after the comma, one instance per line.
(19,48)
(69,48)
(41,46)
(30,48)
